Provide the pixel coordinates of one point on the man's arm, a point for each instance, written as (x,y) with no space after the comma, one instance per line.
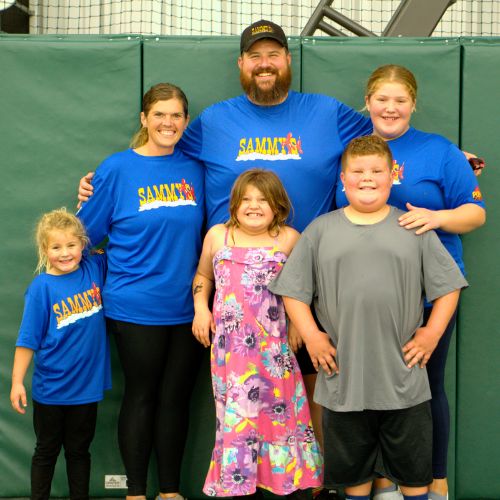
(85,188)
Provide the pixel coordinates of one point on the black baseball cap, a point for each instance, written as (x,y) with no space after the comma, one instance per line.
(259,30)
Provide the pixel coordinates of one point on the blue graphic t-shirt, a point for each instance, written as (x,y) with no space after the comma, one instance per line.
(63,322)
(430,172)
(301,140)
(152,210)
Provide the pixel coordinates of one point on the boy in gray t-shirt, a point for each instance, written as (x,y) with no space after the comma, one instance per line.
(367,278)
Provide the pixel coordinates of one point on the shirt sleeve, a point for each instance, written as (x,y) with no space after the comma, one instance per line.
(441,274)
(99,258)
(459,184)
(297,279)
(352,124)
(36,316)
(96,213)
(191,142)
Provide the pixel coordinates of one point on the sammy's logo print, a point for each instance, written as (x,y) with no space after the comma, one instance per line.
(476,194)
(81,305)
(270,148)
(166,195)
(397,172)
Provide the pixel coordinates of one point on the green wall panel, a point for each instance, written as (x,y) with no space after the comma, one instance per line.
(67,103)
(71,101)
(478,417)
(205,68)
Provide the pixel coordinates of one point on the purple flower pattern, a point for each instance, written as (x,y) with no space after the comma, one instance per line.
(264,435)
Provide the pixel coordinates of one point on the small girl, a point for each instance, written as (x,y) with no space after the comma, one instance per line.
(264,435)
(63,326)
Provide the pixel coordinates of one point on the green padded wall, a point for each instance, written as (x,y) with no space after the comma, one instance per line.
(341,67)
(478,416)
(67,103)
(71,101)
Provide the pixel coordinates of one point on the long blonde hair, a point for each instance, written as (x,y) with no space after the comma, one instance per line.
(61,220)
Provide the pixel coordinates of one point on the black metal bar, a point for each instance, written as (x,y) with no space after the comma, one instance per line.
(329,29)
(316,17)
(347,23)
(416,17)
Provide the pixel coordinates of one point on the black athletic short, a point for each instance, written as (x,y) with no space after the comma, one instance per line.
(361,445)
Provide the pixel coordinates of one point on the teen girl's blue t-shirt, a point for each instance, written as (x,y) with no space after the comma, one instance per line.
(63,322)
(301,140)
(430,172)
(152,210)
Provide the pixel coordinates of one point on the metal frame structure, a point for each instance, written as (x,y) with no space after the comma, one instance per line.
(411,18)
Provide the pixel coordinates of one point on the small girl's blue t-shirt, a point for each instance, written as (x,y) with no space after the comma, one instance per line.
(63,322)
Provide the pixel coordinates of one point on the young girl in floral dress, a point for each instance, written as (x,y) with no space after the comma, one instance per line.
(264,436)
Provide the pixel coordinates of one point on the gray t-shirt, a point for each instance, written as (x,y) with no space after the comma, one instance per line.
(367,284)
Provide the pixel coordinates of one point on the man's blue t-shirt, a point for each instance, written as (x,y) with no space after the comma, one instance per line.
(301,140)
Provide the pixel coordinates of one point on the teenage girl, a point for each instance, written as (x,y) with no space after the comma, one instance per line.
(264,436)
(433,181)
(63,328)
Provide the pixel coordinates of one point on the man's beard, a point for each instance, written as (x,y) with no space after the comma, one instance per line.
(273,95)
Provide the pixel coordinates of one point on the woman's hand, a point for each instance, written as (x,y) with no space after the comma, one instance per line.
(477,164)
(421,218)
(203,324)
(18,398)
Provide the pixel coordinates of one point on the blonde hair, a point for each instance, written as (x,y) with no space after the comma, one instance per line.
(61,220)
(269,184)
(158,92)
(366,146)
(392,73)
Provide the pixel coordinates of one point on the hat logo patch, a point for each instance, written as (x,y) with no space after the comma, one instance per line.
(261,29)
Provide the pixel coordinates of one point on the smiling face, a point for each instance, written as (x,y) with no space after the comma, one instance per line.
(367,182)
(64,252)
(265,73)
(390,107)
(165,123)
(254,214)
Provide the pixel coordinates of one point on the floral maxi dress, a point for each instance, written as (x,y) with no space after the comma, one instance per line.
(264,436)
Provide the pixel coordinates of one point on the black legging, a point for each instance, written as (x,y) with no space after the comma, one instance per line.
(439,402)
(160,364)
